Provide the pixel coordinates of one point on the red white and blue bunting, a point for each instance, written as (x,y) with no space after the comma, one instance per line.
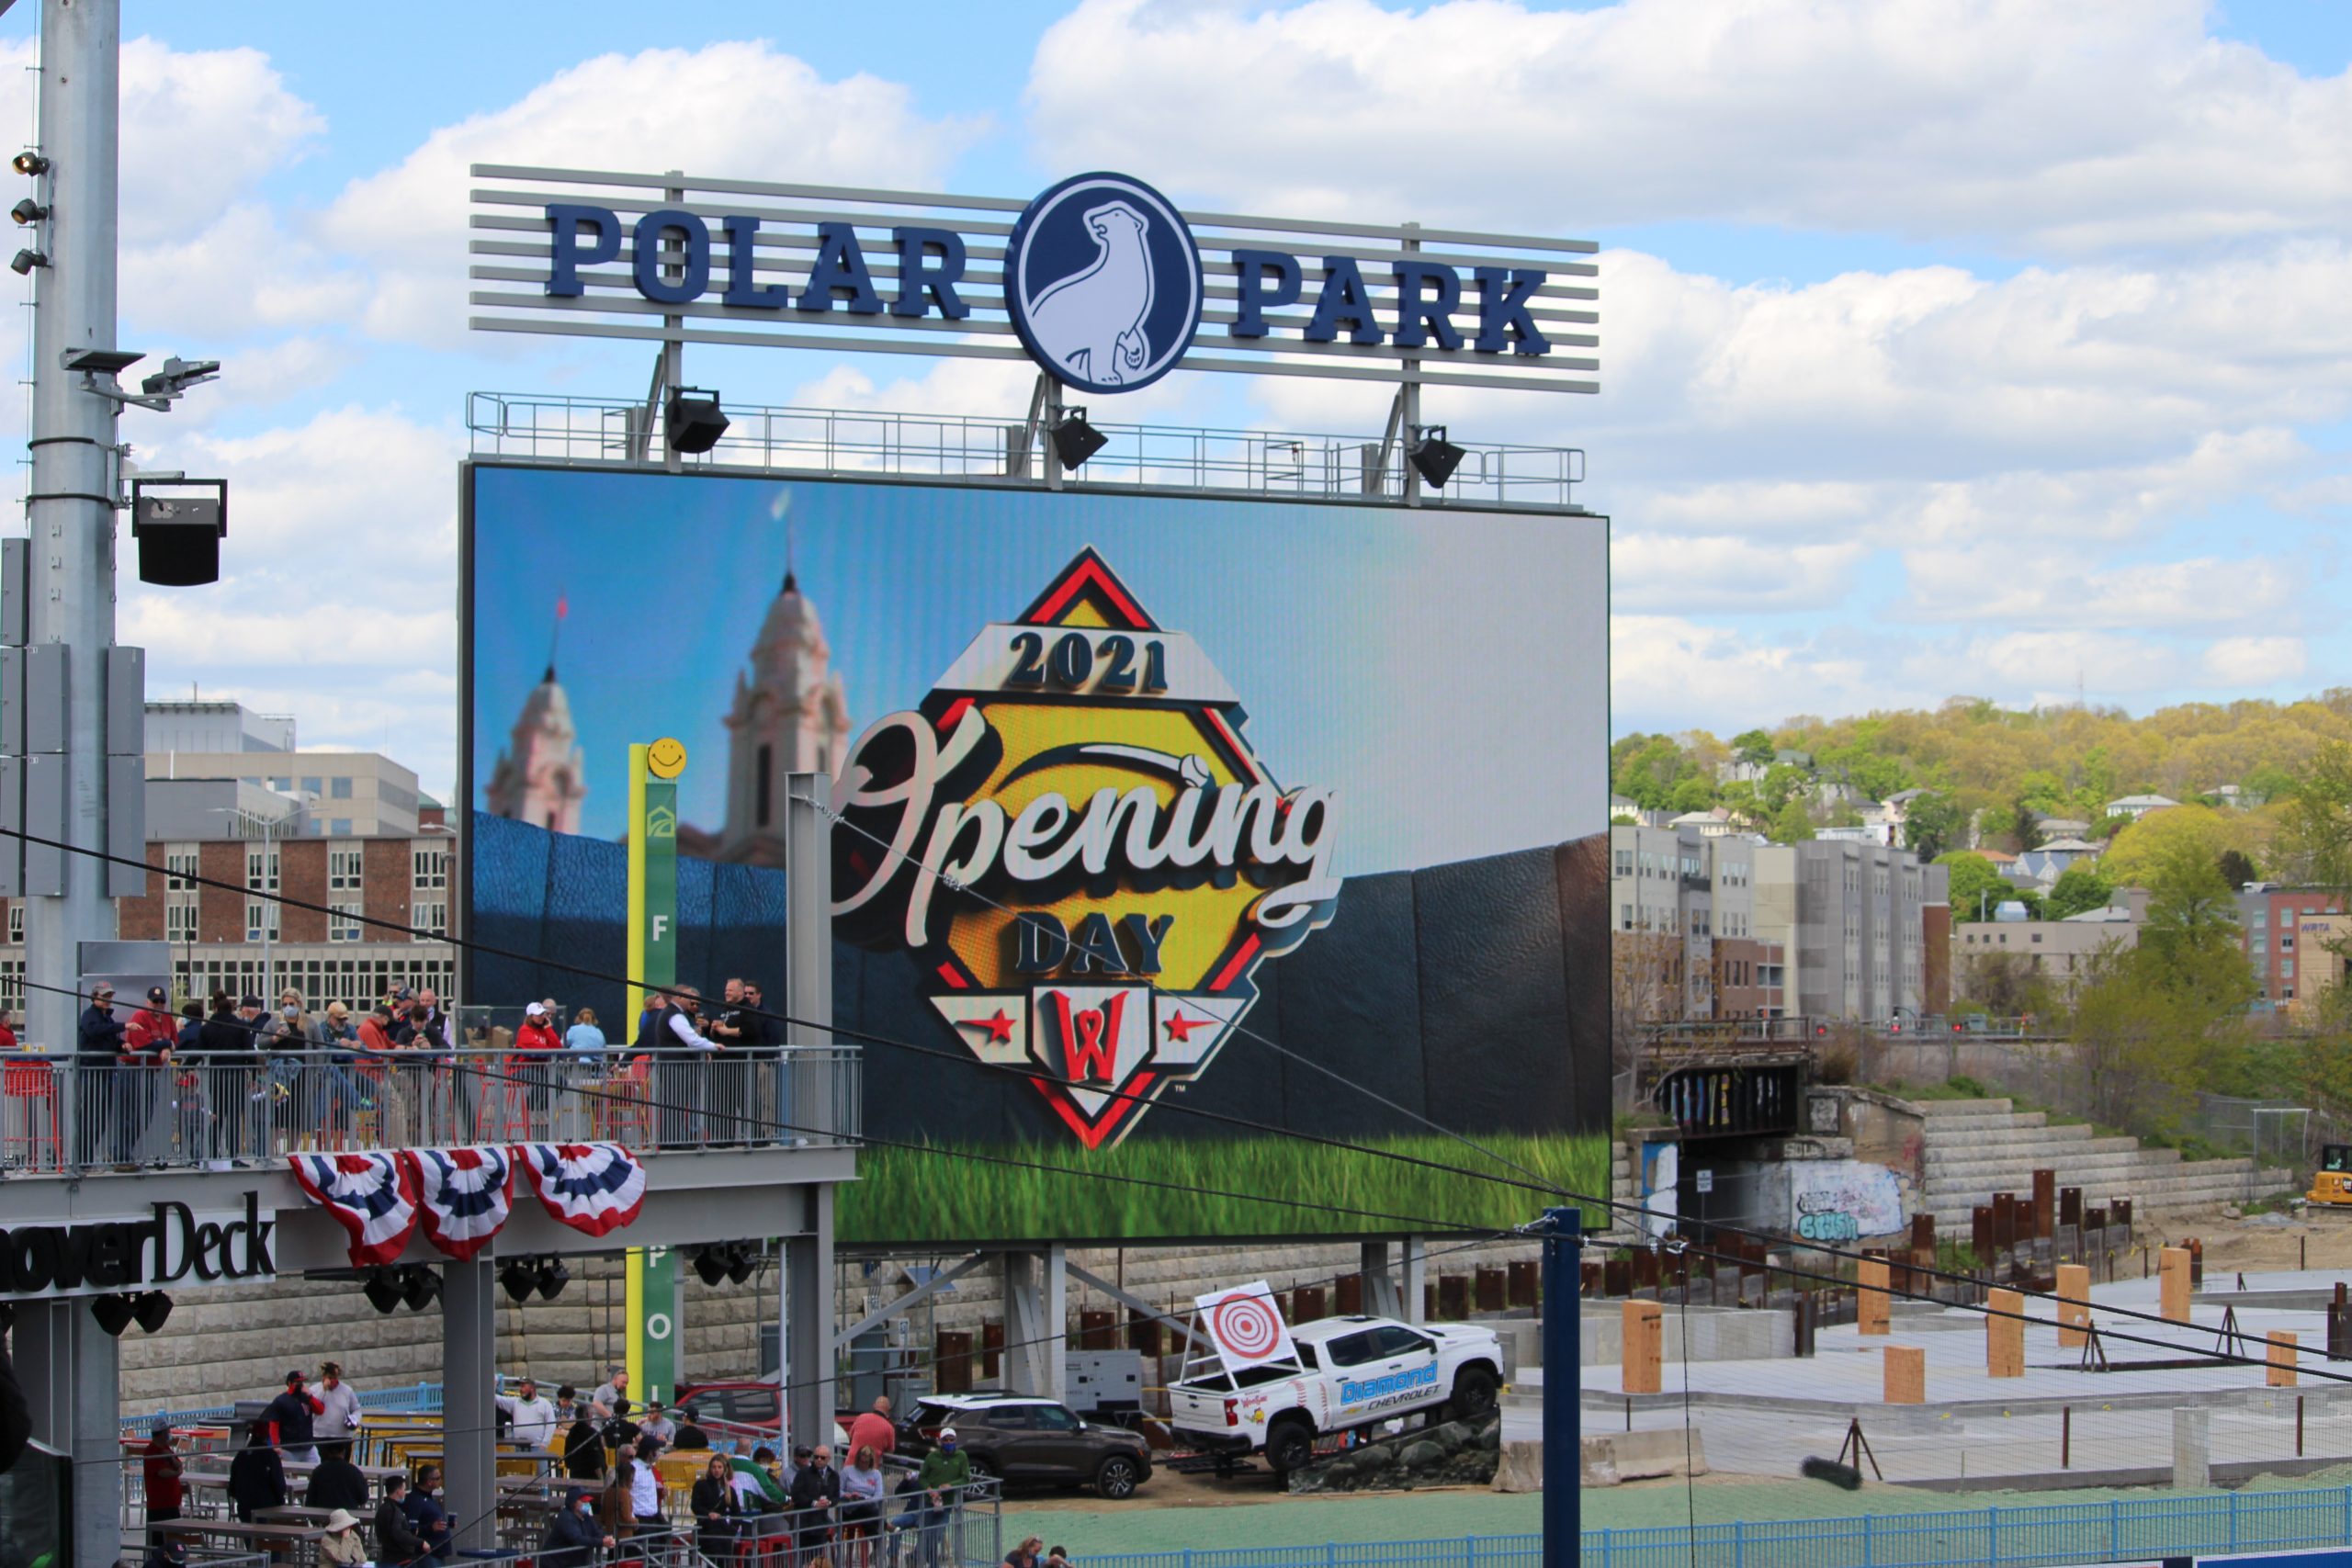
(594,1187)
(466,1195)
(372,1196)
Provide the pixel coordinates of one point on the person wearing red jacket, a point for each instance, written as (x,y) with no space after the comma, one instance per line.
(146,1060)
(536,1044)
(288,1420)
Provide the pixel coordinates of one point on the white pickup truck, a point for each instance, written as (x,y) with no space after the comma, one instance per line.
(1351,1372)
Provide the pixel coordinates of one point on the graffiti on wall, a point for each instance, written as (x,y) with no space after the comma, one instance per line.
(1843,1199)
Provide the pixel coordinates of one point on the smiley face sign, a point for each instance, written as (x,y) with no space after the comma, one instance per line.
(666,758)
(1083,850)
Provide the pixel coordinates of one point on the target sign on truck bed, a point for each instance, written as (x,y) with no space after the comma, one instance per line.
(1246,1325)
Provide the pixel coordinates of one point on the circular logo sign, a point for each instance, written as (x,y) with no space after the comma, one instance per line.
(1102,281)
(1247,1326)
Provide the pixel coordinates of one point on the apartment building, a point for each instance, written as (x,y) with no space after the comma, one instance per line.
(2271,918)
(1853,919)
(1687,945)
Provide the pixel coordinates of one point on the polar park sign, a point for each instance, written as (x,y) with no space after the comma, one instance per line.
(1168,826)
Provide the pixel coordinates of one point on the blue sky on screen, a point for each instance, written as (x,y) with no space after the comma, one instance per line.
(1400,660)
(1994,349)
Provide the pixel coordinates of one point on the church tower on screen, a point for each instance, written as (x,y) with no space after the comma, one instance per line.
(540,777)
(789,716)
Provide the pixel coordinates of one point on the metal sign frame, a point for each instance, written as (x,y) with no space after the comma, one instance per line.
(1255,319)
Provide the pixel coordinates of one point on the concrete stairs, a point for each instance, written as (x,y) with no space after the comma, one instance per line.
(1974,1148)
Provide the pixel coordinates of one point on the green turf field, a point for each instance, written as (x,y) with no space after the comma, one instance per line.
(908,1195)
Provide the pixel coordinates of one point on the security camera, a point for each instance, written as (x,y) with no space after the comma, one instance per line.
(179,375)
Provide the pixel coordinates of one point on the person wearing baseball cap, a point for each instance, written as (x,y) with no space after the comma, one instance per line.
(290,1418)
(105,1094)
(147,1059)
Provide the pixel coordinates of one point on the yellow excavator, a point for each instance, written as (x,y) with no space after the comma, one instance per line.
(2331,1182)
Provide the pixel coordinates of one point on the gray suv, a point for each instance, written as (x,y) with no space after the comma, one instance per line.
(1021,1439)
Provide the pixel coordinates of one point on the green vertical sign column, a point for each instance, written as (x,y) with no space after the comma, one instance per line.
(655,1306)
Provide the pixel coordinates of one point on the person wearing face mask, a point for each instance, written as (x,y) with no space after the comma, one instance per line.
(946,1471)
(574,1536)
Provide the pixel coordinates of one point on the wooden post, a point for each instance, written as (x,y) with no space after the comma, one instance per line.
(2280,1372)
(2074,1286)
(1872,1305)
(2045,1204)
(1906,1375)
(2172,1283)
(2004,1335)
(1645,1346)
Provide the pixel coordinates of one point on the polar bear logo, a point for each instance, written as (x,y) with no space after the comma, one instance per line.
(1092,322)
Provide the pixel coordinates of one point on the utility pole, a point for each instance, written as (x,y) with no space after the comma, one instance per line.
(1563,1233)
(70,514)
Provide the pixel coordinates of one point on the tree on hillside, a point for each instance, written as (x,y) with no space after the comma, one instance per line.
(2191,948)
(2268,783)
(2079,889)
(1753,746)
(1693,793)
(1975,884)
(2197,831)
(2237,869)
(1792,824)
(2006,985)
(1933,824)
(2315,831)
(1782,781)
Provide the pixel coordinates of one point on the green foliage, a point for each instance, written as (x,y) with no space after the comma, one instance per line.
(1753,746)
(2238,868)
(1692,794)
(1971,874)
(1645,768)
(1783,782)
(1933,824)
(1791,824)
(915,1195)
(2315,835)
(2268,783)
(2079,889)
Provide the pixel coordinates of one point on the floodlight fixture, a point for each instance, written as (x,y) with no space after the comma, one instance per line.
(179,524)
(101,361)
(151,1310)
(520,1279)
(112,1312)
(23,263)
(179,375)
(382,1289)
(553,1277)
(743,1261)
(30,163)
(29,211)
(420,1288)
(1432,455)
(695,423)
(1075,440)
(710,1266)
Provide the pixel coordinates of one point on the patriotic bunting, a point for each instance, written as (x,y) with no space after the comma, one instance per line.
(466,1195)
(372,1196)
(594,1187)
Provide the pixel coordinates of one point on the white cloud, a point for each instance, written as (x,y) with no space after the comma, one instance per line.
(2074,128)
(2243,661)
(1693,573)
(1666,672)
(2027,588)
(726,108)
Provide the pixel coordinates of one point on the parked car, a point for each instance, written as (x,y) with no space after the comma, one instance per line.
(1018,1439)
(1351,1373)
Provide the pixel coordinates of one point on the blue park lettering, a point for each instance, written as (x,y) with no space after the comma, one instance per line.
(1380,1388)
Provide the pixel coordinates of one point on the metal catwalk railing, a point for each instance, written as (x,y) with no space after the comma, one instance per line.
(246,1108)
(528,427)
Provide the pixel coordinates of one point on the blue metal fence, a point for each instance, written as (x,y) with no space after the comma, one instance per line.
(2035,1535)
(406,1400)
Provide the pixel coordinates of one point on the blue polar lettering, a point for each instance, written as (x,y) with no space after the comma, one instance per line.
(567,256)
(1380,1388)
(743,286)
(1269,280)
(1417,314)
(840,268)
(1502,308)
(1344,299)
(918,276)
(695,276)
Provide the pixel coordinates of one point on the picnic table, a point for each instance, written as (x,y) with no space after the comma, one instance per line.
(300,1544)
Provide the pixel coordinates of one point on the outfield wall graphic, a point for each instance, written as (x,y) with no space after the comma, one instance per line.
(1142,791)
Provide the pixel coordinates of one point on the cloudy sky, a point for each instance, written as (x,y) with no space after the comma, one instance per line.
(1948,347)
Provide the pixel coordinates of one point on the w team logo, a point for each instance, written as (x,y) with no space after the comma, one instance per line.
(1102,281)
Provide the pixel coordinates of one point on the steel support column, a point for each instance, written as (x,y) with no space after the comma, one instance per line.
(468,1406)
(809,1322)
(1036,1320)
(1563,1388)
(71,1370)
(1380,1297)
(1414,1285)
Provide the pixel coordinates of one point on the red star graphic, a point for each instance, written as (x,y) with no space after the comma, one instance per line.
(1180,1028)
(999,1028)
